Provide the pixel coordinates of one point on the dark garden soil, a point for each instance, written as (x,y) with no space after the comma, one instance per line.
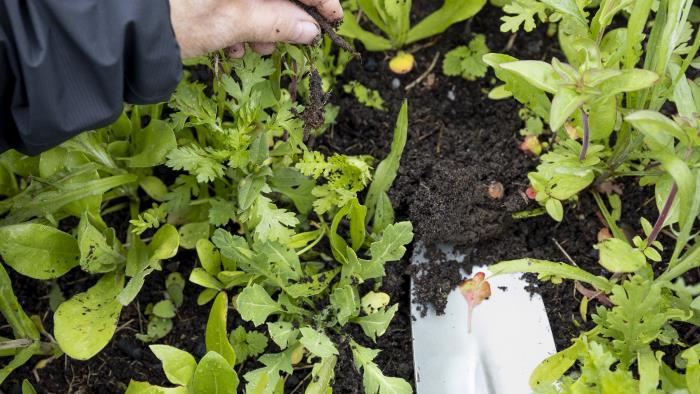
(459,142)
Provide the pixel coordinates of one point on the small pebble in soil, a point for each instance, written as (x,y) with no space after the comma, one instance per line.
(370,64)
(496,190)
(451,95)
(130,349)
(395,83)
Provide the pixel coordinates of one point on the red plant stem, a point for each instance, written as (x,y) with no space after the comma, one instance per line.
(586,135)
(664,214)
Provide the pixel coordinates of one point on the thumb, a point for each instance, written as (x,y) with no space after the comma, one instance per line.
(279,20)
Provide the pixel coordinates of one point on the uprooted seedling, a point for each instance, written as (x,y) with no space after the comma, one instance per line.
(475,290)
(328,27)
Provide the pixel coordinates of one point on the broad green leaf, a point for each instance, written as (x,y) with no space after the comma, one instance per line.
(216,337)
(280,260)
(567,7)
(555,209)
(97,254)
(136,387)
(38,251)
(190,233)
(322,376)
(164,244)
(317,284)
(317,343)
(357,215)
(22,325)
(451,12)
(27,387)
(373,380)
(386,170)
(254,304)
(214,375)
(538,73)
(602,118)
(21,358)
(295,186)
(549,268)
(375,324)
(282,333)
(154,142)
(209,257)
(657,127)
(648,371)
(268,379)
(346,302)
(248,190)
(178,365)
(154,187)
(372,42)
(164,309)
(203,278)
(84,324)
(628,80)
(554,367)
(617,255)
(564,104)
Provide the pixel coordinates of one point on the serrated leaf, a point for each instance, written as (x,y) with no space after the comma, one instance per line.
(254,304)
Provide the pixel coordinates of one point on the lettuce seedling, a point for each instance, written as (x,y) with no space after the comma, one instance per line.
(475,290)
(393,18)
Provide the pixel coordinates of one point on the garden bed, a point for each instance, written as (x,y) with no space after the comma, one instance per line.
(459,142)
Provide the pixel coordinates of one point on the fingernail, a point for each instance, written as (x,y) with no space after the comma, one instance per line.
(306,32)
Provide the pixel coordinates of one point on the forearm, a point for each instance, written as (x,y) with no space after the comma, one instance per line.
(70,65)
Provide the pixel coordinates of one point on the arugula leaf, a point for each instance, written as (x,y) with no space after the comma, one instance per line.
(466,60)
(373,380)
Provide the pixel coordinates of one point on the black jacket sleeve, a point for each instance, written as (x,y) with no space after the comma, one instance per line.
(68,65)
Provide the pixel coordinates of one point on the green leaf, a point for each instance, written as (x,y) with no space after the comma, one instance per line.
(254,304)
(164,309)
(205,279)
(164,244)
(154,142)
(322,375)
(97,253)
(372,42)
(564,104)
(373,380)
(315,284)
(386,170)
(209,257)
(27,387)
(554,367)
(178,365)
(136,387)
(38,251)
(538,73)
(346,302)
(451,12)
(21,358)
(555,209)
(375,324)
(648,371)
(214,375)
(216,336)
(657,127)
(84,324)
(282,333)
(154,187)
(22,325)
(548,268)
(617,255)
(190,233)
(317,343)
(628,80)
(467,60)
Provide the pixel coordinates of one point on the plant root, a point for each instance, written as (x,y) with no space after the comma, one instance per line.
(313,115)
(328,28)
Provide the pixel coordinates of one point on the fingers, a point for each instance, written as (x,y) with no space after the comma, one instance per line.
(263,48)
(279,20)
(330,9)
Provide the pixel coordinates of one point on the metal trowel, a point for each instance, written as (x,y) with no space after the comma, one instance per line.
(510,336)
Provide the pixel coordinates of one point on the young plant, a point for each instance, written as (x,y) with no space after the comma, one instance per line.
(645,299)
(393,19)
(608,75)
(475,290)
(466,60)
(367,97)
(26,341)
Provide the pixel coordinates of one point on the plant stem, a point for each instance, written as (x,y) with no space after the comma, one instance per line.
(586,135)
(664,214)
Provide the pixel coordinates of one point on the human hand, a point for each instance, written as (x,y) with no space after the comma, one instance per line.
(203,26)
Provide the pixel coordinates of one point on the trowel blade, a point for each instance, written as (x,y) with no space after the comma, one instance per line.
(510,337)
